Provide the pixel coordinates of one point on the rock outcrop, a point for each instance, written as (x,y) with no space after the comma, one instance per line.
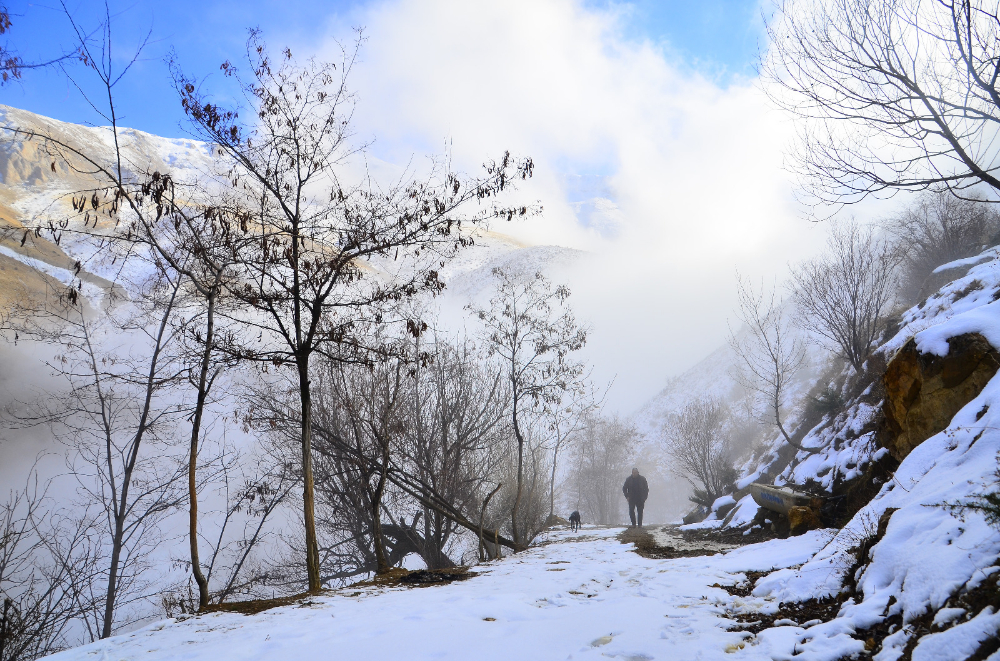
(803,519)
(924,391)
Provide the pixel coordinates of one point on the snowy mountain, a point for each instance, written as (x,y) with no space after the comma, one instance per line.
(36,187)
(714,377)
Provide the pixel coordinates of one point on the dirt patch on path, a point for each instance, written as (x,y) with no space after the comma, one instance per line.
(668,542)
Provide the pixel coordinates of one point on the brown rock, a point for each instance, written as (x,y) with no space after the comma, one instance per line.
(924,391)
(802,519)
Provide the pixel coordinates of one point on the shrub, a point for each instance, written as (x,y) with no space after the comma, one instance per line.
(938,229)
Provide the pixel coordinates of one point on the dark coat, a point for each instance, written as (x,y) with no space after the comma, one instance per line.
(635,489)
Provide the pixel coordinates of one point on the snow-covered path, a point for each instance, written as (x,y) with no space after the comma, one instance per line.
(583,596)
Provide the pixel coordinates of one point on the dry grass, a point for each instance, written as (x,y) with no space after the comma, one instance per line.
(395,577)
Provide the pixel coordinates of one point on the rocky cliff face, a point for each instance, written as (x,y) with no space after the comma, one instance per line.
(924,391)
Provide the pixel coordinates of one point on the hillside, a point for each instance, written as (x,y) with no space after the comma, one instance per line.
(714,377)
(35,190)
(909,574)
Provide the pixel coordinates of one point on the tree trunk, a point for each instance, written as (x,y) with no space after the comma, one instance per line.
(482,515)
(308,497)
(109,599)
(552,484)
(518,542)
(377,541)
(199,411)
(121,508)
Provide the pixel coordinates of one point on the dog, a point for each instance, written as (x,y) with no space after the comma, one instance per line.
(574,521)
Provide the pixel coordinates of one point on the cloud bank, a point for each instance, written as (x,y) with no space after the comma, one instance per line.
(670,181)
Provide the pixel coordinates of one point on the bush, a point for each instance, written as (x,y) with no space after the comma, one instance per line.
(699,440)
(825,403)
(987,504)
(938,229)
(844,296)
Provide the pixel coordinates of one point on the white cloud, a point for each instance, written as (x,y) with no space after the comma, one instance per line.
(689,172)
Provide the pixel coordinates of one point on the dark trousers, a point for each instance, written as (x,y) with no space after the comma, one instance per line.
(632,507)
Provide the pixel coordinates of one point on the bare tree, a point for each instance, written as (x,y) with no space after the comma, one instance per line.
(564,423)
(768,353)
(366,406)
(455,432)
(189,239)
(304,275)
(602,457)
(937,229)
(844,295)
(120,371)
(532,330)
(122,410)
(698,441)
(897,95)
(46,562)
(241,538)
(435,416)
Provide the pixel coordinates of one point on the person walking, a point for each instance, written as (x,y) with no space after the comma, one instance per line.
(636,490)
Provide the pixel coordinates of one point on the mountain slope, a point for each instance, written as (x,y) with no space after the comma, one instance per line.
(36,187)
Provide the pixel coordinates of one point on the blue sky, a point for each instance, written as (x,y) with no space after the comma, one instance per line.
(718,38)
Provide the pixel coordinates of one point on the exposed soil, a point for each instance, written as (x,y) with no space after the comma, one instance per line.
(731,536)
(395,577)
(744,588)
(812,611)
(398,576)
(423,577)
(667,542)
(254,606)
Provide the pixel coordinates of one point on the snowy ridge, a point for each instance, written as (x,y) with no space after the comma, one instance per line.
(34,194)
(928,554)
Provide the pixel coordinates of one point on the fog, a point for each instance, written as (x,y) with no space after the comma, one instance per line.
(669,180)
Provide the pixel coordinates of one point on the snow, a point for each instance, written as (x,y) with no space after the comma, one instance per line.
(926,555)
(974,290)
(968,261)
(743,513)
(588,596)
(723,501)
(960,641)
(583,596)
(928,552)
(984,320)
(66,277)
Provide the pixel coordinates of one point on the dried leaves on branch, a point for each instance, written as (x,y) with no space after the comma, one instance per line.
(316,236)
